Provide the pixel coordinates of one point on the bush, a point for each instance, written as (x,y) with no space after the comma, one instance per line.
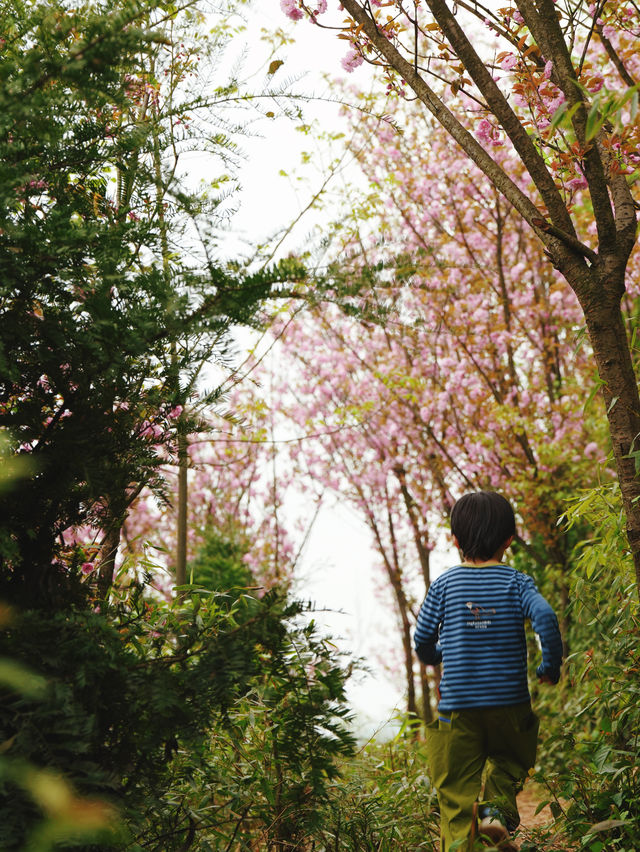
(590,765)
(191,718)
(384,800)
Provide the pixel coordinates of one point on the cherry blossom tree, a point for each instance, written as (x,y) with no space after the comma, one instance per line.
(556,84)
(443,356)
(235,494)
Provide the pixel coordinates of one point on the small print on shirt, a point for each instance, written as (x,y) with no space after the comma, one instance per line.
(480,619)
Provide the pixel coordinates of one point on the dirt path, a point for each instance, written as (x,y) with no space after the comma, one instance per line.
(538,831)
(528,802)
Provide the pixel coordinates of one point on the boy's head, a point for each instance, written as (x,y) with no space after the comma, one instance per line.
(482,523)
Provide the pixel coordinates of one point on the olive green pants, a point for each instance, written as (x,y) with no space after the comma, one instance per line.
(466,747)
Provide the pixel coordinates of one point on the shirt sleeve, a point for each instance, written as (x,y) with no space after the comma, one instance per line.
(428,627)
(545,624)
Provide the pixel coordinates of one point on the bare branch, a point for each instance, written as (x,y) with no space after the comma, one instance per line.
(548,234)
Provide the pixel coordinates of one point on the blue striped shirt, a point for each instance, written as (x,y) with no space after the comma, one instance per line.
(472,621)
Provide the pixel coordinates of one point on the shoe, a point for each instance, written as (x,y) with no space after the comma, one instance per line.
(493,829)
(497,833)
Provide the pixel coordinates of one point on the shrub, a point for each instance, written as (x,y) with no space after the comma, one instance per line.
(190,718)
(590,765)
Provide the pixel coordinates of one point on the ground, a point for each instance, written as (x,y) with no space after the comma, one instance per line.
(538,832)
(528,802)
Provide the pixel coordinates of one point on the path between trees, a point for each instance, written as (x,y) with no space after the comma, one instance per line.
(528,802)
(537,830)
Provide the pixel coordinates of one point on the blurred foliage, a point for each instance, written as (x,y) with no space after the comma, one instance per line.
(193,720)
(384,800)
(590,751)
(218,565)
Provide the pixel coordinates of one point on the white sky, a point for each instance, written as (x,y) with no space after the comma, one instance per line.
(269,199)
(337,569)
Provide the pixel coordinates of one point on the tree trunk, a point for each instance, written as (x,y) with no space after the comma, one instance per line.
(403,610)
(608,336)
(181,544)
(427,709)
(107,560)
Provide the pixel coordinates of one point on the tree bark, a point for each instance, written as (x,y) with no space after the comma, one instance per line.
(424,555)
(181,544)
(607,332)
(107,560)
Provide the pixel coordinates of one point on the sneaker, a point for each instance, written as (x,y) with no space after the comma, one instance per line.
(497,833)
(486,811)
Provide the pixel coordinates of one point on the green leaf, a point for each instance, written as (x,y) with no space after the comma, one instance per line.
(608,824)
(555,809)
(599,383)
(558,115)
(542,806)
(20,679)
(594,122)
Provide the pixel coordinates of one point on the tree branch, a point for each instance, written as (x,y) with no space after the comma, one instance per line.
(544,25)
(548,234)
(499,106)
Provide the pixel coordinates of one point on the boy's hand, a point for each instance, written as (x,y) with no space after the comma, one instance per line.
(547,677)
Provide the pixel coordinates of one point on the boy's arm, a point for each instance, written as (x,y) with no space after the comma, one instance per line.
(427,628)
(545,624)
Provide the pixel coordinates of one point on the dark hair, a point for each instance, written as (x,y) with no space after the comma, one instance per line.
(482,522)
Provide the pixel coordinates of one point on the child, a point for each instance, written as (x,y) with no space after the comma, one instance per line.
(472,621)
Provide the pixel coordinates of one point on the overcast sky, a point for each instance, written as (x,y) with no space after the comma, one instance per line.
(339,567)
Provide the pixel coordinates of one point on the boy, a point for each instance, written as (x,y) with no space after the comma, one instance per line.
(472,621)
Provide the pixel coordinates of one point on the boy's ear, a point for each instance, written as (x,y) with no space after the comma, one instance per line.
(508,541)
(455,542)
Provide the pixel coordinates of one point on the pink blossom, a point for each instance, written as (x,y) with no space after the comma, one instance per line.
(352,60)
(484,131)
(175,412)
(556,103)
(517,17)
(577,183)
(151,430)
(548,68)
(87,568)
(509,62)
(291,9)
(609,32)
(36,184)
(487,134)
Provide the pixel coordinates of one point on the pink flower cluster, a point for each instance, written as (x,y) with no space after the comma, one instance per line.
(488,134)
(509,62)
(292,9)
(352,60)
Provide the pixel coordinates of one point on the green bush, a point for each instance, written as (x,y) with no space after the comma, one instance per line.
(590,763)
(190,718)
(383,800)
